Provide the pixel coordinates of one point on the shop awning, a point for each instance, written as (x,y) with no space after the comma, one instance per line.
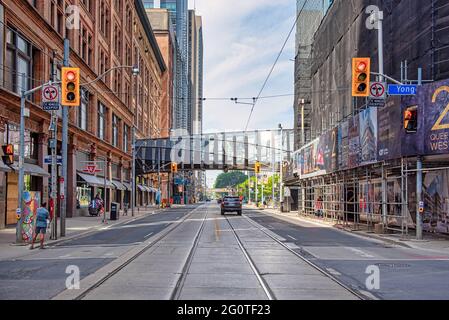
(143,188)
(94,181)
(32,170)
(127,186)
(118,185)
(4,167)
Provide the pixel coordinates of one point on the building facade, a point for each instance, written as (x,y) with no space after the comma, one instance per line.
(360,163)
(110,34)
(178,10)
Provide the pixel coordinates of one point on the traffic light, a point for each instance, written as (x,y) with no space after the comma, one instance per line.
(361,77)
(257,167)
(174,167)
(8,154)
(70,87)
(411,119)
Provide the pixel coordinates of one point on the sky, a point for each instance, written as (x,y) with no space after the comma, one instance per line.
(241,41)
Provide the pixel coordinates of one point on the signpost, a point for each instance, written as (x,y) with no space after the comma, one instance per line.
(402,90)
(378,90)
(50,98)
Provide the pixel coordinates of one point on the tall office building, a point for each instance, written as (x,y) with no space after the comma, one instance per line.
(179,19)
(195,72)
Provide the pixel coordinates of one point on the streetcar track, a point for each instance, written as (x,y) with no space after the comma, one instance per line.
(185,270)
(268,292)
(150,245)
(309,262)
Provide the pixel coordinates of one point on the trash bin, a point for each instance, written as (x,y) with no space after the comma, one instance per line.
(115,207)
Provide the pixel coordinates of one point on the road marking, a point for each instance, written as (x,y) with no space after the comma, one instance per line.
(293,238)
(333,272)
(292,246)
(369,295)
(361,253)
(148,235)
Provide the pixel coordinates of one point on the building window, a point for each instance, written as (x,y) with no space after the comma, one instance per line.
(18,62)
(115,126)
(101,121)
(125,138)
(83,110)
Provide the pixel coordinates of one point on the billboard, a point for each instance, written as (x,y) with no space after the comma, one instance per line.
(435,124)
(368,136)
(389,120)
(354,143)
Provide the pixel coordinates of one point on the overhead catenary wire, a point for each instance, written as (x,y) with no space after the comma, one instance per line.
(274,65)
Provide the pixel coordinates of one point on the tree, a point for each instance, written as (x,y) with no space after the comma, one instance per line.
(230,179)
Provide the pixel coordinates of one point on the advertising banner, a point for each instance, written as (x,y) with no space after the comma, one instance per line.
(389,121)
(436,202)
(435,98)
(354,143)
(343,145)
(368,136)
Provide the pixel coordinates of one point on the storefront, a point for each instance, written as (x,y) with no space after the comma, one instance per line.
(88,187)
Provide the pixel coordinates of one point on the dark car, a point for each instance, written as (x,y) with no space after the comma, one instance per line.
(231,204)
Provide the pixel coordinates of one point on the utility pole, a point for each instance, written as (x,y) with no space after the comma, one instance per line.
(54,164)
(65,143)
(19,238)
(281,161)
(419,184)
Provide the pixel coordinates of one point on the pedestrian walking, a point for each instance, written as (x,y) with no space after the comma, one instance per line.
(42,216)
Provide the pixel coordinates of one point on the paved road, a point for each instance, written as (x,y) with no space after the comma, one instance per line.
(195,253)
(41,274)
(220,258)
(404,273)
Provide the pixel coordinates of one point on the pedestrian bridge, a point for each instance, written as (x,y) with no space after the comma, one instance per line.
(215,151)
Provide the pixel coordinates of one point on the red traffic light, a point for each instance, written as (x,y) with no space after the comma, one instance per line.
(361,66)
(71,76)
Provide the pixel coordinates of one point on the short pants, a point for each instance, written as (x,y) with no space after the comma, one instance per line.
(41,230)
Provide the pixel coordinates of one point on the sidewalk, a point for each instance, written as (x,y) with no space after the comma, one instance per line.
(76,227)
(439,244)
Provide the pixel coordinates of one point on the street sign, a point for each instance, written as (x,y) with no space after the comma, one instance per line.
(50,98)
(378,90)
(48,160)
(402,90)
(91,169)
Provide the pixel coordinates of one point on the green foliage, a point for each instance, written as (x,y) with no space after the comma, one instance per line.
(230,179)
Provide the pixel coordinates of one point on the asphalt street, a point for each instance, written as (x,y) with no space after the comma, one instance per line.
(194,253)
(41,274)
(405,273)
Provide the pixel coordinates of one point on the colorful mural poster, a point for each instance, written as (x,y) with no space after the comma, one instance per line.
(31,202)
(389,119)
(343,145)
(368,135)
(435,98)
(354,143)
(436,201)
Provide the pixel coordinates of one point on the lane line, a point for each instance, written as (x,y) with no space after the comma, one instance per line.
(293,238)
(148,235)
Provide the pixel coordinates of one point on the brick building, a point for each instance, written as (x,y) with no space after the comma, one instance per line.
(111,33)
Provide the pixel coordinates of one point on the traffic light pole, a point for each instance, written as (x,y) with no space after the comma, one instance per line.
(65,143)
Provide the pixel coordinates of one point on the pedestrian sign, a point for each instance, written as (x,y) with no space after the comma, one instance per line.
(50,98)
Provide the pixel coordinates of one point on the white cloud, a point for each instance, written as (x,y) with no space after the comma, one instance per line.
(241,41)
